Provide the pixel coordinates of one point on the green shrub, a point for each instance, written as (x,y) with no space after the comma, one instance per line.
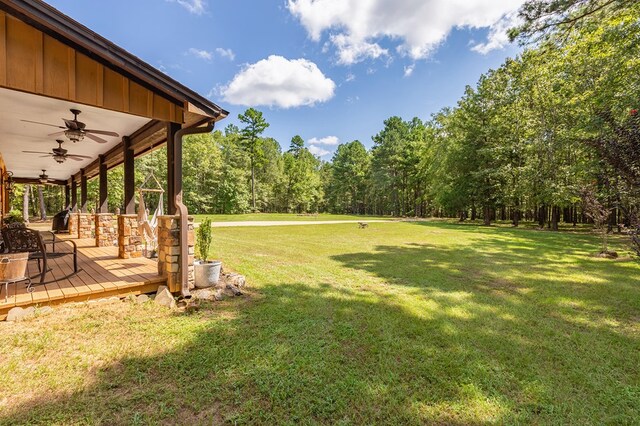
(14,216)
(203,239)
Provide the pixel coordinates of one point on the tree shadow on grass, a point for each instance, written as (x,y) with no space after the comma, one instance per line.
(550,272)
(301,355)
(450,335)
(317,354)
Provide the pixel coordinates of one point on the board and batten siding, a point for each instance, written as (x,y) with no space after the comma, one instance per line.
(33,62)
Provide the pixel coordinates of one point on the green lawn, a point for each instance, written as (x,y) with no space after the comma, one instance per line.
(253,217)
(399,323)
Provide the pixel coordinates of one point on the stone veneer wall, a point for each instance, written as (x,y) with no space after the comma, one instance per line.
(169,251)
(129,239)
(106,230)
(73,225)
(86,227)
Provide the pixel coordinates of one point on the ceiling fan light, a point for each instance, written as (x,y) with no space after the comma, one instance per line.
(74,135)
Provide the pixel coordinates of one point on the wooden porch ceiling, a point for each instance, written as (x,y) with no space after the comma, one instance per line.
(50,63)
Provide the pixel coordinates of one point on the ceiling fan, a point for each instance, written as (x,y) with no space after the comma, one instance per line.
(76,130)
(60,154)
(43,178)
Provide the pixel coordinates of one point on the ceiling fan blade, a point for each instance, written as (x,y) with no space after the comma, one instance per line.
(37,152)
(102,132)
(44,124)
(78,157)
(47,155)
(57,133)
(95,138)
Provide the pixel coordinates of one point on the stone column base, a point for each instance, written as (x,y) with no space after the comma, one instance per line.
(106,230)
(86,227)
(129,239)
(73,225)
(169,251)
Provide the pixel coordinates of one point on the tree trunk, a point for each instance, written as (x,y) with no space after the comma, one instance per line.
(486,212)
(474,214)
(555,216)
(542,214)
(43,209)
(25,204)
(253,186)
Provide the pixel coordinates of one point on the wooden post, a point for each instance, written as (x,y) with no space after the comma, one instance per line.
(67,196)
(129,177)
(83,191)
(103,202)
(172,128)
(74,195)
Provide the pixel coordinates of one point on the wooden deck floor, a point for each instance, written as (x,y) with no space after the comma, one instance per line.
(102,275)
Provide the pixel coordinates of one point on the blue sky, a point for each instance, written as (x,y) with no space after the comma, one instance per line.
(329,70)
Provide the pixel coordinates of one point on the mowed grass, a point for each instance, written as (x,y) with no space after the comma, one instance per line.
(281,217)
(399,323)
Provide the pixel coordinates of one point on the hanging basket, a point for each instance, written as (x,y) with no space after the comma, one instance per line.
(13,266)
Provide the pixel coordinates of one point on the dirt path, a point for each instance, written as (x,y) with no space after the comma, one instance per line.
(288,222)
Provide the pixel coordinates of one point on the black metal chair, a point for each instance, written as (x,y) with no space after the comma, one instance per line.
(31,241)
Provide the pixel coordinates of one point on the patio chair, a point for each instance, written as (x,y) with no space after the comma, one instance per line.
(31,241)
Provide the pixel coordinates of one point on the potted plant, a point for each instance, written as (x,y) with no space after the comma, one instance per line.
(207,272)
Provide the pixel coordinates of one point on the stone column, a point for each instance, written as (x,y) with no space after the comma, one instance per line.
(86,228)
(129,239)
(73,225)
(169,251)
(106,230)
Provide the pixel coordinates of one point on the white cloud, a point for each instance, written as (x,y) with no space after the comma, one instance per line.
(226,53)
(350,77)
(498,37)
(279,82)
(409,70)
(197,7)
(417,27)
(202,54)
(208,56)
(320,152)
(352,51)
(327,140)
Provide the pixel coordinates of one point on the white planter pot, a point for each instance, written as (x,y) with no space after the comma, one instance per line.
(206,274)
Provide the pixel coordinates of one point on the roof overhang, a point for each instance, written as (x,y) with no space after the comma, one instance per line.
(68,31)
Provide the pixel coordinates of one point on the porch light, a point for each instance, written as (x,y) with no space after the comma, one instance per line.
(74,135)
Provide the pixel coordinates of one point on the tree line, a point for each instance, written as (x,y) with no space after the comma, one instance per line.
(531,140)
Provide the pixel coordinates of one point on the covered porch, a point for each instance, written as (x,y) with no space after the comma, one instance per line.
(73,106)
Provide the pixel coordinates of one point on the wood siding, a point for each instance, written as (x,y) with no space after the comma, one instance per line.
(34,62)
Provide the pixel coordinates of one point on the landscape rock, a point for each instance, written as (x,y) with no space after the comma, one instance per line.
(19,314)
(203,294)
(236,280)
(219,294)
(232,290)
(164,297)
(142,298)
(45,310)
